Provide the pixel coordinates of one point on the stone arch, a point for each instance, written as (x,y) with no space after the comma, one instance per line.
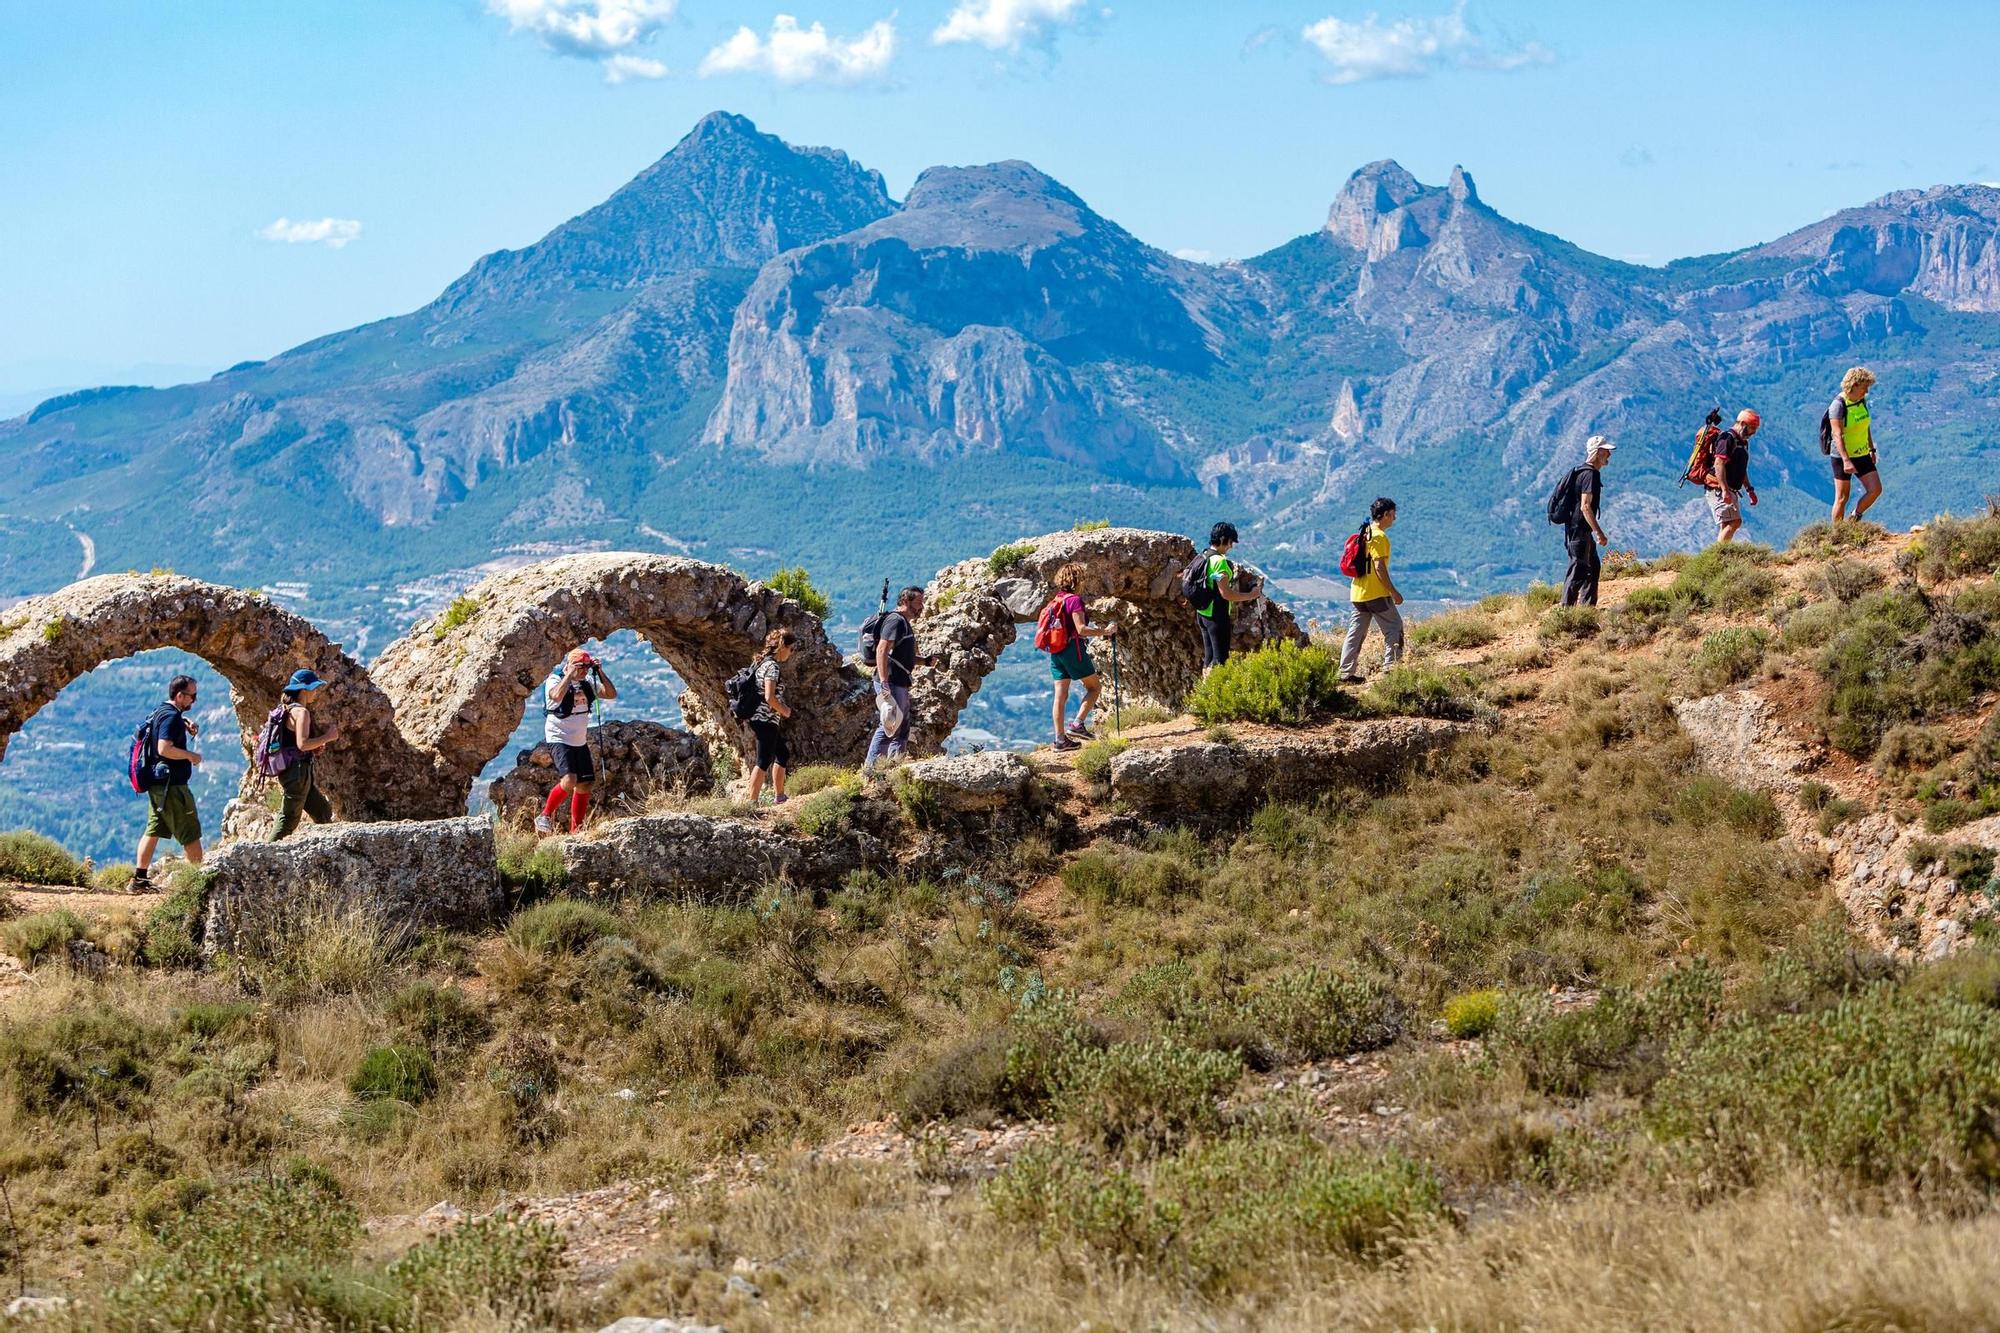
(46,642)
(1132,578)
(459,689)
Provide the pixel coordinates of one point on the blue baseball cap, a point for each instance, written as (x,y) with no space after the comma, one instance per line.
(303,679)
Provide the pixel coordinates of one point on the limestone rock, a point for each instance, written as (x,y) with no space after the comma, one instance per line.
(410,875)
(1206,780)
(635,760)
(1737,737)
(986,781)
(704,859)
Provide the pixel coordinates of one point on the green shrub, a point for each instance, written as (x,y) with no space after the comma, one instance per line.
(508,1269)
(817,777)
(114,878)
(1812,626)
(1887,1087)
(531,868)
(795,583)
(1215,1212)
(1422,691)
(1011,556)
(93,1057)
(43,936)
(1706,798)
(1907,746)
(206,1019)
(1570,623)
(172,929)
(1091,525)
(31,858)
(1894,661)
(1824,540)
(1093,761)
(1472,1014)
(826,813)
(1727,578)
(1843,580)
(52,630)
(1727,656)
(918,800)
(1623,1039)
(440,1017)
(395,1073)
(1540,596)
(1281,684)
(561,926)
(1454,629)
(1311,1014)
(1955,547)
(1141,1096)
(463,608)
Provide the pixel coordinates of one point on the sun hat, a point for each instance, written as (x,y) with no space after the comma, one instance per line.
(1596,442)
(303,679)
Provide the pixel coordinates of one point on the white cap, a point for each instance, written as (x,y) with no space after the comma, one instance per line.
(1596,442)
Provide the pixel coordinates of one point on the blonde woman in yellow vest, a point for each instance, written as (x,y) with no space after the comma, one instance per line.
(1853,443)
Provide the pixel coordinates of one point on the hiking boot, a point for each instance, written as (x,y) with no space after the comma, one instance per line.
(544,825)
(1065,743)
(1353,680)
(1081,732)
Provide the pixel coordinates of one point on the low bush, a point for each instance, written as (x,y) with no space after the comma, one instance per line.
(1843,581)
(1421,691)
(1281,684)
(1454,629)
(1728,656)
(1312,1014)
(816,777)
(1824,540)
(561,926)
(1958,547)
(918,800)
(1569,624)
(43,936)
(505,1270)
(1008,557)
(531,868)
(795,583)
(1090,525)
(172,928)
(395,1073)
(1622,1040)
(1727,577)
(1111,875)
(1896,659)
(439,1017)
(97,1057)
(30,858)
(1540,596)
(828,812)
(1141,1096)
(1911,747)
(1472,1014)
(462,609)
(1093,761)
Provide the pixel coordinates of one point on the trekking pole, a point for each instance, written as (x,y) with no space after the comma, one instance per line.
(1117,725)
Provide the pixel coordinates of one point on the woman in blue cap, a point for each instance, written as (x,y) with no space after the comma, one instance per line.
(302,733)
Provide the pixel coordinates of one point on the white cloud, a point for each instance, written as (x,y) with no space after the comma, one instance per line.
(1005,24)
(600,30)
(334,233)
(792,54)
(1411,48)
(617,69)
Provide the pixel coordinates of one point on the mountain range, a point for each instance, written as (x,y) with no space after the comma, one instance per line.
(753,353)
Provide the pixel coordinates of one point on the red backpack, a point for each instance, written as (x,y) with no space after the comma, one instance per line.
(1354,560)
(1052,631)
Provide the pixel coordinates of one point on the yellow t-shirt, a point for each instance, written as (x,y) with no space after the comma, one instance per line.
(1372,585)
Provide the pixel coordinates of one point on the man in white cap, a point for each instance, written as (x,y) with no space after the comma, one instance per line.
(1583,534)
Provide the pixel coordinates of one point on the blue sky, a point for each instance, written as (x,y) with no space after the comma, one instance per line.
(187,185)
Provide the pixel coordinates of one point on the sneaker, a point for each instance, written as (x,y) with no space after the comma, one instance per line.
(1081,732)
(779,800)
(1065,743)
(544,825)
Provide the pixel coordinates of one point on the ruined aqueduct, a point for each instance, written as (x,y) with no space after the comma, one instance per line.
(438,704)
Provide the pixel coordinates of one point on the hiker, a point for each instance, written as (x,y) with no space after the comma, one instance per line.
(1729,474)
(573,690)
(767,723)
(1582,532)
(170,808)
(1374,597)
(300,731)
(1220,578)
(1066,618)
(1848,437)
(895,665)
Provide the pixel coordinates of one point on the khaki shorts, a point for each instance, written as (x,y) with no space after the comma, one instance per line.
(1725,513)
(171,814)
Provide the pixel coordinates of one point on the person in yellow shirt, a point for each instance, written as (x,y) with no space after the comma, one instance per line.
(1853,443)
(1374,597)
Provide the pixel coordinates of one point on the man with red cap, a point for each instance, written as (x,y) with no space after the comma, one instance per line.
(1729,474)
(573,691)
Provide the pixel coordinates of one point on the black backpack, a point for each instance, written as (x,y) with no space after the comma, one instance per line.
(1195,585)
(744,695)
(871,629)
(1826,431)
(142,765)
(1562,500)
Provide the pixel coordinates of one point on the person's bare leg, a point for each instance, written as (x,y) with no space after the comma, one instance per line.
(1092,687)
(1840,487)
(756,784)
(1062,707)
(1871,491)
(191,852)
(778,781)
(147,846)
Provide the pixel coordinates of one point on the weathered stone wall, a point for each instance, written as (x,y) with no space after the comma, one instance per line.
(1207,780)
(709,860)
(1132,580)
(407,875)
(635,762)
(370,773)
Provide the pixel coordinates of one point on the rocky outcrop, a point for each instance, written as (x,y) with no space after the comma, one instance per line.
(991,780)
(372,772)
(974,612)
(699,858)
(635,762)
(406,876)
(460,681)
(1191,784)
(1737,737)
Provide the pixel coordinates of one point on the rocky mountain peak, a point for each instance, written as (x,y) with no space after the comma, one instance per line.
(1460,187)
(1383,208)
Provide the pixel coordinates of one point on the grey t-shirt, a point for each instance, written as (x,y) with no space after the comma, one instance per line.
(766,675)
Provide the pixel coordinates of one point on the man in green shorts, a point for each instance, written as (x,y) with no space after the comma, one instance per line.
(1073,663)
(170,801)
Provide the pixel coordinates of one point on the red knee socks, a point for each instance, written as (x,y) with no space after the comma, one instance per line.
(557,795)
(579,806)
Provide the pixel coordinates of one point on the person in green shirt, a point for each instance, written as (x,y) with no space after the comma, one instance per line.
(1374,598)
(1853,443)
(1214,619)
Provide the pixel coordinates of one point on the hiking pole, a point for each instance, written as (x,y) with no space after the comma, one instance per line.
(1117,725)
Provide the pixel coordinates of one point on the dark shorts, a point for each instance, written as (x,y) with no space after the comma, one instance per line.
(771,748)
(574,761)
(1863,466)
(1072,663)
(170,813)
(1215,634)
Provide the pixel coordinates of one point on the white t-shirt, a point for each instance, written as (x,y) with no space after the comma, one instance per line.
(574,729)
